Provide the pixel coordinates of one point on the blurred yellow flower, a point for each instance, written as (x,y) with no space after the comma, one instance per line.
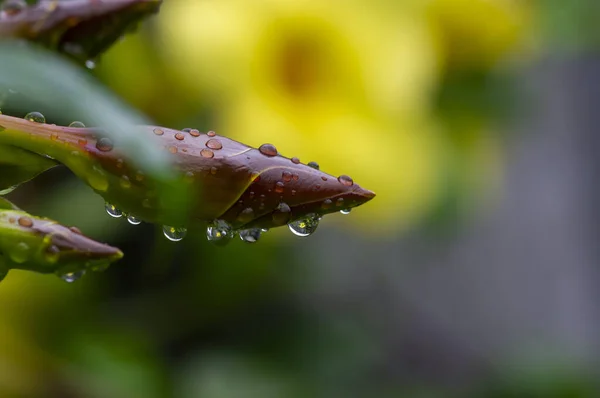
(345,83)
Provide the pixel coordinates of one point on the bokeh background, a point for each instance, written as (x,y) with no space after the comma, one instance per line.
(473,273)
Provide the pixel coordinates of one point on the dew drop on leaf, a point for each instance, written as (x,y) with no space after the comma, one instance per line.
(295,160)
(211,134)
(71,277)
(268,150)
(313,165)
(174,234)
(158,131)
(213,143)
(36,117)
(133,220)
(77,124)
(251,235)
(25,222)
(282,214)
(19,253)
(13,7)
(345,211)
(90,64)
(306,226)
(345,180)
(104,144)
(179,136)
(113,211)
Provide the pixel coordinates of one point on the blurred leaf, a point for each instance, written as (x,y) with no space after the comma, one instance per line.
(83,29)
(38,244)
(18,165)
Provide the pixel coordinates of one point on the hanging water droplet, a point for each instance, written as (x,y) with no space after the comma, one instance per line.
(77,124)
(174,234)
(219,231)
(282,214)
(71,277)
(251,235)
(133,220)
(314,165)
(345,211)
(268,150)
(90,64)
(36,117)
(113,211)
(305,227)
(246,215)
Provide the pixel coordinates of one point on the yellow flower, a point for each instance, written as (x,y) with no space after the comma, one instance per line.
(477,33)
(342,83)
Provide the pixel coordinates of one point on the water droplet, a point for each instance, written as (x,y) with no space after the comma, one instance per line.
(75,230)
(279,186)
(211,134)
(323,178)
(19,253)
(251,235)
(13,7)
(326,204)
(104,144)
(286,176)
(35,117)
(206,153)
(282,214)
(179,136)
(339,202)
(246,215)
(113,211)
(133,220)
(174,234)
(305,227)
(213,143)
(213,170)
(314,165)
(345,180)
(194,133)
(172,149)
(90,64)
(293,192)
(158,131)
(268,150)
(71,277)
(25,222)
(52,252)
(345,211)
(219,231)
(124,182)
(77,124)
(295,160)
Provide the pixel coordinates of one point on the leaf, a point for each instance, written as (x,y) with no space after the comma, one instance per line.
(18,166)
(66,90)
(83,29)
(42,245)
(237,184)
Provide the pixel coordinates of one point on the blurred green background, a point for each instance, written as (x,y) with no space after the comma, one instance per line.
(471,274)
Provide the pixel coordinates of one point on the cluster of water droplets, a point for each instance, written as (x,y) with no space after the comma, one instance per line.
(113,211)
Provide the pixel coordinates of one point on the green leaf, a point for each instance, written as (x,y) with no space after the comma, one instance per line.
(66,90)
(42,245)
(18,165)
